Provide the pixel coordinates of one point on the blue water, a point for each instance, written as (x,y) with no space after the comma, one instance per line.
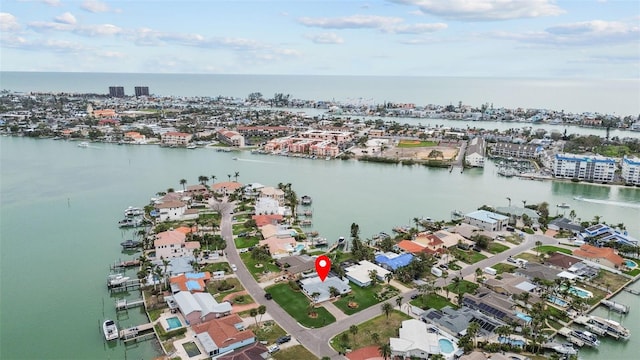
(174,323)
(299,247)
(580,292)
(557,301)
(630,264)
(513,342)
(446,346)
(524,317)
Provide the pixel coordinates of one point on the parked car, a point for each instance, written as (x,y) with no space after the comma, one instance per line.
(273,348)
(443,266)
(283,339)
(234,267)
(511,260)
(414,296)
(268,296)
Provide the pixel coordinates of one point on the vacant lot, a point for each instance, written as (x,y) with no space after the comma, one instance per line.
(431,301)
(416,143)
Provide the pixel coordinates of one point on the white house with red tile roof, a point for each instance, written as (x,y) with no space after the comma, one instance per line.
(172,243)
(432,243)
(175,138)
(171,210)
(273,193)
(222,335)
(279,246)
(226,187)
(230,137)
(603,255)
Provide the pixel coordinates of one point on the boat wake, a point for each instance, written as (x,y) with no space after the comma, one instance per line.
(256,161)
(609,202)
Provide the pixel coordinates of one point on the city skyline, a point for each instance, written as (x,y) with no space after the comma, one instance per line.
(505,38)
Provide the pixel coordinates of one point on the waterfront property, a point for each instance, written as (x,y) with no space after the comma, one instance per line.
(194,282)
(606,256)
(422,340)
(173,243)
(603,234)
(592,168)
(456,321)
(475,152)
(360,274)
(631,170)
(219,336)
(392,261)
(199,307)
(486,220)
(520,151)
(320,291)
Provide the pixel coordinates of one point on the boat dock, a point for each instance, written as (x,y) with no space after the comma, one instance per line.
(632,291)
(566,332)
(618,307)
(139,332)
(123,304)
(126,286)
(125,264)
(583,320)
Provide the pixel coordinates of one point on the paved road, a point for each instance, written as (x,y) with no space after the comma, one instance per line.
(317,340)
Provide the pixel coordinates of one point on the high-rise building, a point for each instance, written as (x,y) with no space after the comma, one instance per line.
(116,91)
(142,90)
(583,167)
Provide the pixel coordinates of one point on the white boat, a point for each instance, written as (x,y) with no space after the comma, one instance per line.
(130,222)
(83,144)
(133,211)
(110,330)
(610,327)
(192,146)
(116,280)
(564,206)
(565,349)
(588,338)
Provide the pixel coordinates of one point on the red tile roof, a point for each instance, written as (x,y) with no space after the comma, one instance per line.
(251,352)
(223,331)
(592,252)
(410,246)
(262,220)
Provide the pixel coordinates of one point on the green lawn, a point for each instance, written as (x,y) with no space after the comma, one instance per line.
(414,144)
(213,288)
(465,287)
(468,256)
(385,328)
(268,331)
(219,266)
(245,242)
(496,248)
(257,271)
(294,352)
(365,297)
(502,268)
(551,249)
(431,301)
(297,305)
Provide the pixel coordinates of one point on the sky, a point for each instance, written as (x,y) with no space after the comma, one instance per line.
(480,38)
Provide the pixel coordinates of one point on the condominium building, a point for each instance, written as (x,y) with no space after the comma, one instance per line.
(141,90)
(116,91)
(523,151)
(631,170)
(475,152)
(175,138)
(582,167)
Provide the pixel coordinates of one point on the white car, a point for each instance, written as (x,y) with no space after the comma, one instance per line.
(273,348)
(234,267)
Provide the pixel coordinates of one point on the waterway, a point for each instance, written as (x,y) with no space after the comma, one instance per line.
(61,204)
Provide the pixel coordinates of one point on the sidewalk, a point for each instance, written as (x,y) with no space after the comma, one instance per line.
(337,313)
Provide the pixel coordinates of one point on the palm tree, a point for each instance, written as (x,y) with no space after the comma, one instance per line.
(509,201)
(472,330)
(314,296)
(524,203)
(236,176)
(385,350)
(373,275)
(261,310)
(213,179)
(399,301)
(388,276)
(386,309)
(202,179)
(504,331)
(353,329)
(254,314)
(229,176)
(183,182)
(375,337)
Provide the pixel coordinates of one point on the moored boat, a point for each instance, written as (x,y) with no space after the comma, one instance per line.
(587,337)
(610,327)
(564,206)
(116,280)
(133,211)
(131,244)
(110,330)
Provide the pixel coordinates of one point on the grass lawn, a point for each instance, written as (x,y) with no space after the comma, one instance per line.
(468,256)
(514,239)
(496,248)
(245,242)
(532,258)
(502,268)
(415,143)
(365,297)
(212,288)
(430,301)
(257,271)
(268,331)
(610,280)
(297,305)
(294,352)
(219,266)
(551,249)
(385,328)
(465,287)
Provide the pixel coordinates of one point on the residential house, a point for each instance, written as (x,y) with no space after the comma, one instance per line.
(449,239)
(456,321)
(268,206)
(297,264)
(172,243)
(271,219)
(392,261)
(255,351)
(562,261)
(602,255)
(279,246)
(512,285)
(273,193)
(135,137)
(475,153)
(409,246)
(171,210)
(173,138)
(194,282)
(432,244)
(565,224)
(582,167)
(199,307)
(219,336)
(486,220)
(537,271)
(226,188)
(417,340)
(321,289)
(493,304)
(603,234)
(631,170)
(359,274)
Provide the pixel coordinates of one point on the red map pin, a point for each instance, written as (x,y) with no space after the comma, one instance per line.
(323,266)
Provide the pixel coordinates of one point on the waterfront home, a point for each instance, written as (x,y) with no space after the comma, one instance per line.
(194,282)
(272,193)
(270,219)
(296,264)
(563,223)
(490,303)
(631,170)
(605,256)
(520,151)
(409,246)
(511,285)
(456,321)
(266,206)
(198,189)
(449,239)
(172,244)
(562,261)
(432,244)
(539,271)
(171,210)
(198,307)
(392,261)
(603,234)
(321,289)
(226,188)
(252,190)
(219,336)
(475,153)
(421,340)
(583,167)
(173,138)
(279,246)
(486,220)
(255,351)
(135,137)
(359,273)
(230,137)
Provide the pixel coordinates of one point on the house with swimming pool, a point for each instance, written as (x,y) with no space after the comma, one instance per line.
(199,307)
(420,340)
(220,336)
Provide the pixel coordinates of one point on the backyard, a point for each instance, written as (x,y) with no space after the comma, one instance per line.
(268,331)
(297,305)
(496,248)
(431,301)
(220,288)
(382,327)
(365,297)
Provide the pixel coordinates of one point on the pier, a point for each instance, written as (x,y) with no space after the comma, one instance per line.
(139,332)
(617,307)
(566,332)
(125,264)
(632,291)
(126,286)
(124,304)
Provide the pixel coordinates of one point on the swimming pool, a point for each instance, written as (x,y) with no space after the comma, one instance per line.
(630,264)
(524,317)
(174,323)
(446,346)
(512,342)
(299,247)
(557,301)
(580,292)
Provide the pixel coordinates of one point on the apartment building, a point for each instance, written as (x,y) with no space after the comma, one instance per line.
(583,167)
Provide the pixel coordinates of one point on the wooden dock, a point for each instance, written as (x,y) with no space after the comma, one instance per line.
(632,291)
(139,332)
(126,286)
(617,307)
(125,264)
(124,304)
(566,332)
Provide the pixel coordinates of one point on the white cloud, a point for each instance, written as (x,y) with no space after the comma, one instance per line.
(595,32)
(483,10)
(98,30)
(325,38)
(8,22)
(351,22)
(416,28)
(54,3)
(94,6)
(66,18)
(111,54)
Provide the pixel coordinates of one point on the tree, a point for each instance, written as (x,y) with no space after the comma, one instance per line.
(213,179)
(261,310)
(386,309)
(385,350)
(373,275)
(236,175)
(388,276)
(229,176)
(314,296)
(254,313)
(202,179)
(472,330)
(572,215)
(353,329)
(183,182)
(399,301)
(375,337)
(333,291)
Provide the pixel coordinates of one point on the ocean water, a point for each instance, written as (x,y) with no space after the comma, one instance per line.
(620,97)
